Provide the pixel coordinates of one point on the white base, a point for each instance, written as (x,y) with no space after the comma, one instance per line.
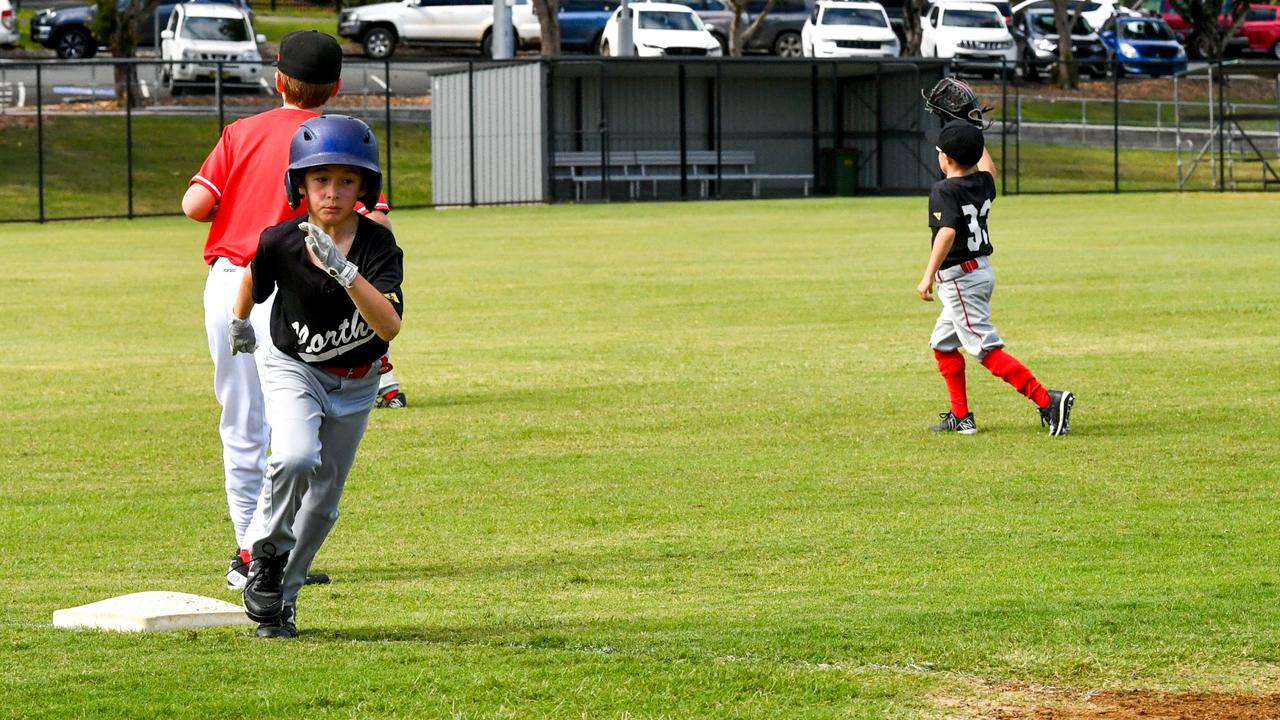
(152,612)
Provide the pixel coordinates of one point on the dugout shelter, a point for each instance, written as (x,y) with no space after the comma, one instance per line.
(619,129)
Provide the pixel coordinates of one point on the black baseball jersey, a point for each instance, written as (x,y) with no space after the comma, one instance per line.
(963,203)
(313,319)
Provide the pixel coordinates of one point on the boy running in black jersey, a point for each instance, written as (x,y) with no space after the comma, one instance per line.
(958,209)
(337,277)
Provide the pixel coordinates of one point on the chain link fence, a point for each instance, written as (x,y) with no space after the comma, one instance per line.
(110,138)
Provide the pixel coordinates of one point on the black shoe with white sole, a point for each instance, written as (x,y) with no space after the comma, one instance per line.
(286,626)
(1057,414)
(950,423)
(264,589)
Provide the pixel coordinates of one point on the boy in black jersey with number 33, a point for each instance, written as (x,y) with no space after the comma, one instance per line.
(959,206)
(337,277)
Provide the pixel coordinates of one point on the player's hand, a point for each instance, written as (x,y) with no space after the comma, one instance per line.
(243,339)
(327,255)
(925,289)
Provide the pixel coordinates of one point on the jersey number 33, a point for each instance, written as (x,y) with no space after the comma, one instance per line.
(977,218)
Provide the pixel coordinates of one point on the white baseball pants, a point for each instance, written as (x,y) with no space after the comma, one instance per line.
(243,425)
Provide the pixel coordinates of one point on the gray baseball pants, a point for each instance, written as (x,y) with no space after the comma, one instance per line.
(965,320)
(317,420)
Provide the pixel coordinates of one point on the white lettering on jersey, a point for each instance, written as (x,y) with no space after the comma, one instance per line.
(350,334)
(977,235)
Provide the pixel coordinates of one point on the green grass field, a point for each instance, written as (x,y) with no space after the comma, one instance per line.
(671,461)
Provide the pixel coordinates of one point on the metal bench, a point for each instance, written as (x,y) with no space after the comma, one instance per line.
(655,166)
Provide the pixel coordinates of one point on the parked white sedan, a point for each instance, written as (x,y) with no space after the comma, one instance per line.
(660,29)
(972,33)
(846,28)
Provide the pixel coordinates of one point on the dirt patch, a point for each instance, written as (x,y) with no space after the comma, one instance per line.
(992,702)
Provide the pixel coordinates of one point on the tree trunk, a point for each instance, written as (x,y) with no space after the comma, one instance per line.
(735,47)
(1068,75)
(548,12)
(911,28)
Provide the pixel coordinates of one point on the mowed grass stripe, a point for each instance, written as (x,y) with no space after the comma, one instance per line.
(670,460)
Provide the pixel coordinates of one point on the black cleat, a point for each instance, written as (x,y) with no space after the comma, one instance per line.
(264,591)
(286,626)
(950,423)
(316,579)
(391,399)
(237,573)
(1057,414)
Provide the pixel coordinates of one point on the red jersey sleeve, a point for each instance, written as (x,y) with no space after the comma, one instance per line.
(382,205)
(216,169)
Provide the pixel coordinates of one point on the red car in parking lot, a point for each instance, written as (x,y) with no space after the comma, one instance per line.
(1262,28)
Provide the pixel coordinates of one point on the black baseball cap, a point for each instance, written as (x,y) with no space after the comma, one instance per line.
(962,141)
(310,56)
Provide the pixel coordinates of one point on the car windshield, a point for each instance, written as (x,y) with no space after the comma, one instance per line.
(208,28)
(853,16)
(1043,23)
(1145,30)
(668,20)
(972,18)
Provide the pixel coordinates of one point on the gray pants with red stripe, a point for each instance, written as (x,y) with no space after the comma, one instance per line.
(965,320)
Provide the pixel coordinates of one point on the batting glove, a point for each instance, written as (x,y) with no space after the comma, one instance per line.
(243,339)
(331,258)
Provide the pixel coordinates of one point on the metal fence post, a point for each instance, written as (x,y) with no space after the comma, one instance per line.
(471,127)
(128,131)
(815,142)
(1115,129)
(1222,127)
(217,91)
(1004,123)
(40,138)
(720,127)
(387,94)
(604,135)
(684,135)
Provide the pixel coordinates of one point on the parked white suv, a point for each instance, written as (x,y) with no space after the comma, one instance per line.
(973,34)
(199,35)
(9,33)
(382,27)
(841,28)
(660,29)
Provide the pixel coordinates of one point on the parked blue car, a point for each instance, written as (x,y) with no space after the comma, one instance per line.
(582,21)
(1143,45)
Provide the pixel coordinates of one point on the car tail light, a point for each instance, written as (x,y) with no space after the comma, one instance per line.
(6,18)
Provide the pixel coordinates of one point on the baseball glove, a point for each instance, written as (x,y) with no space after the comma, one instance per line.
(953,99)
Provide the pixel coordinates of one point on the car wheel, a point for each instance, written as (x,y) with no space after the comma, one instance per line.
(724,43)
(1275,50)
(788,45)
(1029,70)
(75,44)
(1203,47)
(379,43)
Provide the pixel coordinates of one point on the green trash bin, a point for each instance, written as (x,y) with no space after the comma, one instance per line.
(844,172)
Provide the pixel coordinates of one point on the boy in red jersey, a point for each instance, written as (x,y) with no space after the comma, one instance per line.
(238,191)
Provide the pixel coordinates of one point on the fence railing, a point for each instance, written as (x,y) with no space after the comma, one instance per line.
(112,138)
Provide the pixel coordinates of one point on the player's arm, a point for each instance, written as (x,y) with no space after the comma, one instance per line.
(941,246)
(986,164)
(244,297)
(375,308)
(199,203)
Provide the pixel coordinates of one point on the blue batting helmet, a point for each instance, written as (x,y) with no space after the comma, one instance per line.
(333,140)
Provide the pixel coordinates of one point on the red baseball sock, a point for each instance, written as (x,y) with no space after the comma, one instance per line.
(1007,368)
(951,365)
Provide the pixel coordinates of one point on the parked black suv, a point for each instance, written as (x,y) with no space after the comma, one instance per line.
(66,30)
(1037,39)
